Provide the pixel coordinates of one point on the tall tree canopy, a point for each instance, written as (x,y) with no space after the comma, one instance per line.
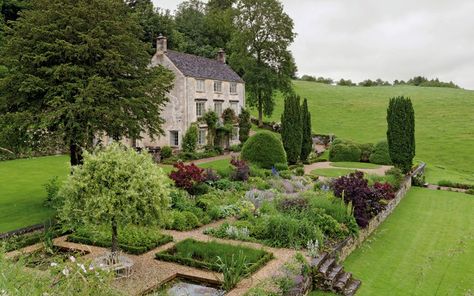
(78,68)
(260,51)
(401,132)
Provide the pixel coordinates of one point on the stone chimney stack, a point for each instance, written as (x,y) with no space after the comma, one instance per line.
(221,56)
(161,45)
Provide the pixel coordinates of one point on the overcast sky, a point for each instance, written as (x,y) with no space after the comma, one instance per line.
(382,39)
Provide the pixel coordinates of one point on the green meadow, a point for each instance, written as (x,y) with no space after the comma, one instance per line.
(444,121)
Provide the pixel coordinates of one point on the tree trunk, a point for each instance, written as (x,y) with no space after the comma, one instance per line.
(75,154)
(115,248)
(260,110)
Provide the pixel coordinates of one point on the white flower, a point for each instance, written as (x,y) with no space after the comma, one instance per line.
(91,267)
(65,271)
(72,259)
(81,266)
(53,264)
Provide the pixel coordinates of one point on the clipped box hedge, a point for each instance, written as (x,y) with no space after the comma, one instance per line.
(131,239)
(213,250)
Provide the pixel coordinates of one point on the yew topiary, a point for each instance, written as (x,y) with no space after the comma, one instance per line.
(264,149)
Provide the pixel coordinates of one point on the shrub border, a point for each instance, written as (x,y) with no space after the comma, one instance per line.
(134,250)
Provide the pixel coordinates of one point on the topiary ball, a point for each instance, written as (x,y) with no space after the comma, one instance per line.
(264,149)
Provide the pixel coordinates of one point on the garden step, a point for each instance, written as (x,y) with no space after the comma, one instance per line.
(336,270)
(342,281)
(318,261)
(352,287)
(326,266)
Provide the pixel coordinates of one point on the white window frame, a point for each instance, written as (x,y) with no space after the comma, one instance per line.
(235,133)
(200,110)
(200,85)
(174,142)
(217,86)
(233,88)
(218,103)
(235,106)
(202,135)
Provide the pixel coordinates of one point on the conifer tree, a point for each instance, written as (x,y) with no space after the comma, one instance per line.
(307,140)
(401,132)
(291,128)
(244,125)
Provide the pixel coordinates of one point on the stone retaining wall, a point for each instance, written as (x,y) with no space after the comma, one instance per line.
(344,249)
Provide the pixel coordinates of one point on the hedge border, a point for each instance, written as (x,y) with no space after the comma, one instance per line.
(134,250)
(165,256)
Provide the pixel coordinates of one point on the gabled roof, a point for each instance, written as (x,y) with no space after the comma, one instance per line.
(199,67)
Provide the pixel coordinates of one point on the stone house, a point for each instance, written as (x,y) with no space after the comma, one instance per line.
(200,85)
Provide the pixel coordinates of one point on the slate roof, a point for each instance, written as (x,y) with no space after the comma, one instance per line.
(199,67)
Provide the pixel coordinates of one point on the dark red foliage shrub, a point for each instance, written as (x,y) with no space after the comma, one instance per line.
(187,176)
(367,201)
(241,171)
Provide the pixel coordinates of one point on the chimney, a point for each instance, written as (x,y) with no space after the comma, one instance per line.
(161,45)
(221,56)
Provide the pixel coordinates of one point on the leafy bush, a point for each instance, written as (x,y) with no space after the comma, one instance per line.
(235,148)
(133,239)
(166,152)
(182,220)
(241,169)
(381,154)
(52,190)
(187,176)
(290,204)
(299,171)
(264,149)
(366,151)
(190,139)
(418,180)
(367,201)
(285,232)
(281,166)
(344,152)
(244,125)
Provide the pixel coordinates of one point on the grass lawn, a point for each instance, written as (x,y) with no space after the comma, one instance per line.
(426,247)
(331,172)
(355,165)
(222,166)
(444,131)
(22,191)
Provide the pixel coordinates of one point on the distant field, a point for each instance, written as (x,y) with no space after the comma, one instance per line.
(444,121)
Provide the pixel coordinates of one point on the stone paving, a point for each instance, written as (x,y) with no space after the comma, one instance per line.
(327,165)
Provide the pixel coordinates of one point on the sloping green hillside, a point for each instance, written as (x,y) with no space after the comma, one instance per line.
(444,121)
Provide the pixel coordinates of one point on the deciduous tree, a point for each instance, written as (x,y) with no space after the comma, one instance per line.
(260,51)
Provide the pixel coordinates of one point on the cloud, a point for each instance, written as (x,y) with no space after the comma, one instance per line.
(382,39)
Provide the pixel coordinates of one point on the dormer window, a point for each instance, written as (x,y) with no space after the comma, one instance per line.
(200,85)
(218,86)
(233,88)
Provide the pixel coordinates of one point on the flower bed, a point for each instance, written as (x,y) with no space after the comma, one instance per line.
(205,255)
(132,239)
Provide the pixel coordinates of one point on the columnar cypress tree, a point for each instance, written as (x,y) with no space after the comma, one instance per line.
(401,132)
(291,128)
(307,141)
(244,125)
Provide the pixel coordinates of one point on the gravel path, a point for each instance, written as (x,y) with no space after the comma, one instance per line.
(149,273)
(327,165)
(211,159)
